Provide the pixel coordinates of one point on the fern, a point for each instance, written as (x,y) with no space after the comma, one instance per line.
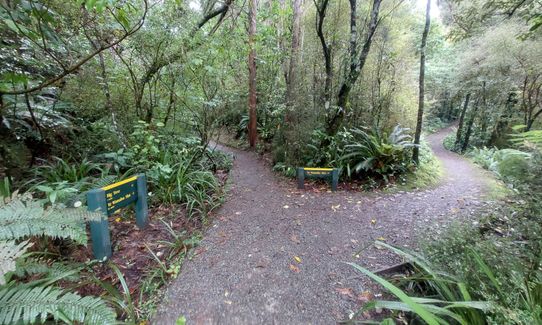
(24,304)
(21,219)
(30,266)
(9,252)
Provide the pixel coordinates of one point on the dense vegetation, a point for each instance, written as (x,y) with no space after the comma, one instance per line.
(94,91)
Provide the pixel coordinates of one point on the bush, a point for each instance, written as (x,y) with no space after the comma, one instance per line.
(509,245)
(428,295)
(38,297)
(376,154)
(449,141)
(511,165)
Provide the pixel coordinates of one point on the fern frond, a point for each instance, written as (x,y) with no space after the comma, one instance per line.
(20,219)
(24,304)
(10,251)
(30,266)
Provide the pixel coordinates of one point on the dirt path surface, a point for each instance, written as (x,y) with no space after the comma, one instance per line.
(275,255)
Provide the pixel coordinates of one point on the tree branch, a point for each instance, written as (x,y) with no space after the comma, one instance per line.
(77,65)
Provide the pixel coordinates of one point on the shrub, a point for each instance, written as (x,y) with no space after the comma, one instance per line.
(39,299)
(449,141)
(429,295)
(376,154)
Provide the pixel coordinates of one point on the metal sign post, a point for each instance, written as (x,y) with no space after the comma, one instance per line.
(330,173)
(110,199)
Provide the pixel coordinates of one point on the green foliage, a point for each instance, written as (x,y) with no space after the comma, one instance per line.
(39,300)
(433,124)
(60,170)
(5,188)
(26,304)
(511,165)
(385,156)
(427,173)
(446,299)
(10,251)
(23,217)
(285,170)
(449,141)
(487,258)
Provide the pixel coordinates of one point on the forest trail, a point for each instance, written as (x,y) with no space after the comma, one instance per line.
(275,255)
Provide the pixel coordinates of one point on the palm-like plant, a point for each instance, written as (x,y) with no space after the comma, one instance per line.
(374,153)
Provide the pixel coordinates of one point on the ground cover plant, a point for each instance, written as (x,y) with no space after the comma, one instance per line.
(93,92)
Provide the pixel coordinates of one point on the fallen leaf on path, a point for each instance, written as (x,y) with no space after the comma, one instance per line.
(365,297)
(373,221)
(294,268)
(237,213)
(381,238)
(229,302)
(297,259)
(346,292)
(335,207)
(286,207)
(295,239)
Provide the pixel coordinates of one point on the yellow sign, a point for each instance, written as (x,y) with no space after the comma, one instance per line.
(120,194)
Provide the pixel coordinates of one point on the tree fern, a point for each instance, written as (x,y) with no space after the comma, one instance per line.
(9,252)
(22,218)
(25,304)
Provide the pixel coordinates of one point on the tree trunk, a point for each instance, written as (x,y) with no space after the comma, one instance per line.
(252,122)
(336,116)
(465,144)
(503,120)
(171,103)
(421,95)
(461,121)
(294,55)
(321,8)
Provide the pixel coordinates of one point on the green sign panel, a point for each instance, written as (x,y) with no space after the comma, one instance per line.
(110,199)
(332,174)
(120,194)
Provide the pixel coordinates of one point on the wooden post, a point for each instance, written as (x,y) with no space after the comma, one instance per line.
(109,199)
(141,205)
(334,179)
(99,230)
(300,178)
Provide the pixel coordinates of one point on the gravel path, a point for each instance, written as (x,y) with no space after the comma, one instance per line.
(275,255)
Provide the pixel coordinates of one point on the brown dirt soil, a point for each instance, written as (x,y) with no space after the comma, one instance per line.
(275,254)
(132,246)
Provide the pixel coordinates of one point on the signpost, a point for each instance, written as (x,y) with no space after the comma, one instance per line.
(110,199)
(331,173)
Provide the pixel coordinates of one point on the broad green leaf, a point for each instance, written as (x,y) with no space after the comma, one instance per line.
(11,24)
(415,307)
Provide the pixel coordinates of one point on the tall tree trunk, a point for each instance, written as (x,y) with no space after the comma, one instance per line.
(465,144)
(294,54)
(502,121)
(321,7)
(336,115)
(171,103)
(461,121)
(421,95)
(252,122)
